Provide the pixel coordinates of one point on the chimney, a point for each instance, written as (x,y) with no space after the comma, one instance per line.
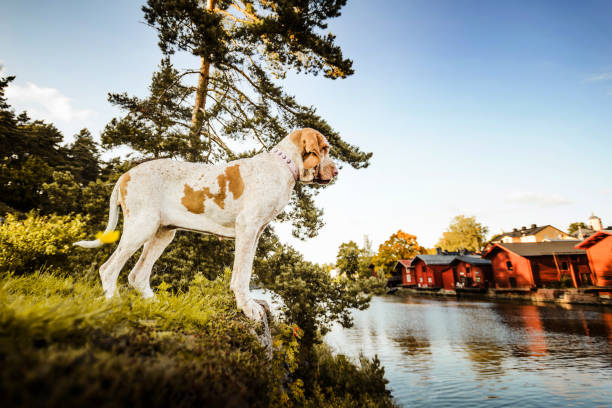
(514,229)
(533,225)
(438,251)
(523,228)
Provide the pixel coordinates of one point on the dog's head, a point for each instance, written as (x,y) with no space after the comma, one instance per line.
(316,166)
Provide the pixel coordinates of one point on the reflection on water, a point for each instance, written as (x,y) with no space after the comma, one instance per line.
(465,353)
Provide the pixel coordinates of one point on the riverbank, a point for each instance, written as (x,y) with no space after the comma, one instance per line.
(578,296)
(62,344)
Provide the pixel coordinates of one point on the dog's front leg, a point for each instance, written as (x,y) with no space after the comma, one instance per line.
(247,234)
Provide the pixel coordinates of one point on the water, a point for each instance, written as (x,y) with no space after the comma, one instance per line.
(443,353)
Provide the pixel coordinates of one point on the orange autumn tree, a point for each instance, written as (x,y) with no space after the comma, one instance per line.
(400,245)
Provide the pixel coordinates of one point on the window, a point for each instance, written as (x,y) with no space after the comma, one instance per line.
(477,278)
(509,265)
(408,278)
(423,268)
(564,266)
(512,282)
(421,279)
(467,270)
(429,279)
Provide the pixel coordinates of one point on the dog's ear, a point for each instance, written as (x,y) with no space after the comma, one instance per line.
(309,142)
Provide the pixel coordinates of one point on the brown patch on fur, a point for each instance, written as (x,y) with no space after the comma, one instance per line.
(236,184)
(219,198)
(193,200)
(123,182)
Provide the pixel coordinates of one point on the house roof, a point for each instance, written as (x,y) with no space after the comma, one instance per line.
(434,259)
(527,249)
(523,232)
(405,262)
(594,239)
(472,260)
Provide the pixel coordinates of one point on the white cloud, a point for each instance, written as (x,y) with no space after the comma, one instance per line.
(537,199)
(600,77)
(46,103)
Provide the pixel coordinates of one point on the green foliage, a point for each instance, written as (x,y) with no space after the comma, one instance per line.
(38,240)
(153,126)
(84,157)
(464,233)
(575,227)
(312,300)
(62,345)
(347,260)
(360,385)
(354,261)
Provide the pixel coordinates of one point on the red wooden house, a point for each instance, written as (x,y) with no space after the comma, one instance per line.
(403,269)
(470,271)
(599,251)
(538,264)
(428,269)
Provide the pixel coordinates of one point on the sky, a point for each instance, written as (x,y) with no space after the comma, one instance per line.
(498,110)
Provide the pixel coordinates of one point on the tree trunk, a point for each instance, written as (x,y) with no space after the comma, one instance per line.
(200,103)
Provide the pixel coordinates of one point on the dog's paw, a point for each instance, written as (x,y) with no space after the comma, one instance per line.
(147,294)
(254,310)
(111,293)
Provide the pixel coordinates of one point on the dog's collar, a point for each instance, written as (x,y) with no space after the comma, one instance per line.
(285,159)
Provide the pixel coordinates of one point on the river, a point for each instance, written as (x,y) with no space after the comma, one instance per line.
(461,353)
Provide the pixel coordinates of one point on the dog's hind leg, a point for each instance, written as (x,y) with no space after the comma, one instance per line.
(141,273)
(135,234)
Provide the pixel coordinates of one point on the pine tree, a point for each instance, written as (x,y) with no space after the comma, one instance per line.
(84,157)
(243,47)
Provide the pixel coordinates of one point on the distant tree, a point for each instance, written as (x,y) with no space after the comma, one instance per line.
(347,260)
(463,233)
(399,246)
(84,157)
(575,227)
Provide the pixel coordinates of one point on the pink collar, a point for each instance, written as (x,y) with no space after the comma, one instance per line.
(285,159)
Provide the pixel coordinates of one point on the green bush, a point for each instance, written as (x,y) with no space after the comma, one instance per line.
(35,241)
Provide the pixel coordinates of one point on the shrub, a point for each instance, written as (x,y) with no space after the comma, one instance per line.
(35,241)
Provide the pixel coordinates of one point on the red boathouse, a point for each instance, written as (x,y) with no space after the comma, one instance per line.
(599,251)
(403,269)
(539,264)
(428,269)
(468,271)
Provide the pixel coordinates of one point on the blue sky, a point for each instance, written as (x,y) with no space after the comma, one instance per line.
(500,110)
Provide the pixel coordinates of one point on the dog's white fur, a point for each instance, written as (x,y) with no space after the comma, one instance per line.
(236,199)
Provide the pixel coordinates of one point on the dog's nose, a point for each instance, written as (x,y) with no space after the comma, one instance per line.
(335,172)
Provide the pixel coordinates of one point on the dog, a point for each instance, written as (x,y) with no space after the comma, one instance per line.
(235,200)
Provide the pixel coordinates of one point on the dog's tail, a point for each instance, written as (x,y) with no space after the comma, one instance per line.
(113,218)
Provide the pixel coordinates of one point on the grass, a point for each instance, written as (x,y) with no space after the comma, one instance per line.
(62,344)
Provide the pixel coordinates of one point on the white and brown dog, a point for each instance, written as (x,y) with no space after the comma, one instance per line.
(236,199)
